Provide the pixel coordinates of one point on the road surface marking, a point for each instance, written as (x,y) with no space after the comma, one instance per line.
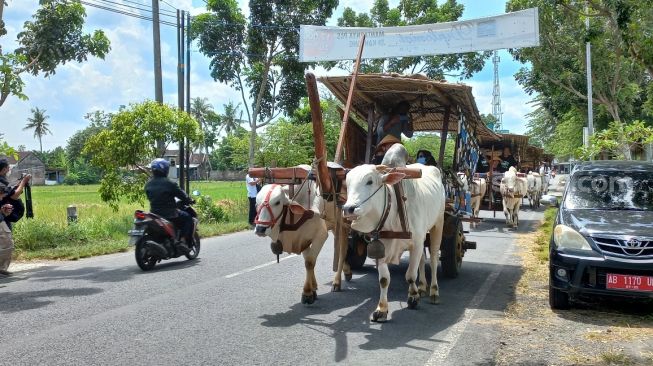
(258,267)
(440,354)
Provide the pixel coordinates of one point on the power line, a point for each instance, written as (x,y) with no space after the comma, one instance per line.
(135,7)
(167,3)
(139,16)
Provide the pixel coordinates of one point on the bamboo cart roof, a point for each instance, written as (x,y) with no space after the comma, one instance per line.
(533,154)
(428,100)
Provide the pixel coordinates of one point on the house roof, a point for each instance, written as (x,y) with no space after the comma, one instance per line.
(428,99)
(21,156)
(195,158)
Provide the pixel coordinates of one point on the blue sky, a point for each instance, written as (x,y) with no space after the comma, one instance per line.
(126,76)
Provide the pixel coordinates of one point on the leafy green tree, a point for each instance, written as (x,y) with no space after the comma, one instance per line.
(232,153)
(618,140)
(123,150)
(558,67)
(99,121)
(259,57)
(430,142)
(490,120)
(541,127)
(204,114)
(568,135)
(54,36)
(38,123)
(414,12)
(5,149)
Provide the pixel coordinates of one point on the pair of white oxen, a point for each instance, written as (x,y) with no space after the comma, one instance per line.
(512,189)
(369,194)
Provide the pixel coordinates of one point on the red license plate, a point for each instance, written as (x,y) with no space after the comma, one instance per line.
(629,282)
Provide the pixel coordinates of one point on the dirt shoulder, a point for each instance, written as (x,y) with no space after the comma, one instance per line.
(597,333)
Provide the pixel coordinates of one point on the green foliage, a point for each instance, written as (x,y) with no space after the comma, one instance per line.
(259,57)
(557,71)
(5,149)
(618,140)
(568,135)
(80,171)
(232,152)
(489,120)
(55,158)
(100,121)
(131,141)
(413,12)
(54,36)
(210,212)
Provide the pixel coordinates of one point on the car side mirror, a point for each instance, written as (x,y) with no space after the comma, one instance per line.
(196,193)
(548,200)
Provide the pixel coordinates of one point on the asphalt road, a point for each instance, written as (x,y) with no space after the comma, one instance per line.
(235,305)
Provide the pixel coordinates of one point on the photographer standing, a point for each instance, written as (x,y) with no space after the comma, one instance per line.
(12,193)
(6,240)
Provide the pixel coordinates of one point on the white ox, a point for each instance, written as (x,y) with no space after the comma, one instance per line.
(513,189)
(271,203)
(369,193)
(534,188)
(310,236)
(477,190)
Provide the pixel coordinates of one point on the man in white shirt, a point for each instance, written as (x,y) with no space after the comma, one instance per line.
(251,195)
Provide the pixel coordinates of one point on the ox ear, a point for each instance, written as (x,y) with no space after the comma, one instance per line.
(381,168)
(296,208)
(392,178)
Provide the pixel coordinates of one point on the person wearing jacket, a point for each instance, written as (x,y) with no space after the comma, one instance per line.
(161,192)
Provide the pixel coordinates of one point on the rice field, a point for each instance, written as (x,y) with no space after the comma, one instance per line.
(101,230)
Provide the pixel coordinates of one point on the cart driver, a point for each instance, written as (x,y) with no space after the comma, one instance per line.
(390,127)
(507,160)
(483,166)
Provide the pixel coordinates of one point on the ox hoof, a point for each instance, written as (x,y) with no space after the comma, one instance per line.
(308,299)
(413,302)
(348,276)
(314,295)
(435,299)
(422,293)
(336,287)
(379,316)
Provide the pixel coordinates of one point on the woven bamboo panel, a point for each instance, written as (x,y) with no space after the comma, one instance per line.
(428,100)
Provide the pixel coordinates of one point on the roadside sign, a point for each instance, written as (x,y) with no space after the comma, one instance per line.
(511,30)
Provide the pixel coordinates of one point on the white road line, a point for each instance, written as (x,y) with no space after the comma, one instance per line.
(258,267)
(441,353)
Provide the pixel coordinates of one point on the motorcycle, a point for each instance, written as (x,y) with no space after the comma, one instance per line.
(157,239)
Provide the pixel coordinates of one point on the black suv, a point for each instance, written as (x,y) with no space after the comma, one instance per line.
(602,242)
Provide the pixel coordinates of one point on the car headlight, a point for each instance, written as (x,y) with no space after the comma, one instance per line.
(566,237)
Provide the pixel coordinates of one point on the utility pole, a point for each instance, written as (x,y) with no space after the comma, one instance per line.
(188,147)
(158,84)
(180,92)
(588,60)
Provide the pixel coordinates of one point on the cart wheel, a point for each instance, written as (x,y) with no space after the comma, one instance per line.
(451,252)
(356,252)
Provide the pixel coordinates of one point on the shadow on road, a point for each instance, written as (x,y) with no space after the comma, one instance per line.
(405,326)
(12,302)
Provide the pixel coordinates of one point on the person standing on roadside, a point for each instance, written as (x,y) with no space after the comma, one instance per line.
(6,239)
(252,190)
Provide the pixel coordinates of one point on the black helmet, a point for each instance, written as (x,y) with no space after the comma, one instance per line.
(160,167)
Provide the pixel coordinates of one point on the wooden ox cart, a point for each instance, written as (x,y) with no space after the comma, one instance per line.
(436,106)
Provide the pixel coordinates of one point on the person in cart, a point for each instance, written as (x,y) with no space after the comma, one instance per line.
(389,129)
(425,157)
(507,160)
(483,166)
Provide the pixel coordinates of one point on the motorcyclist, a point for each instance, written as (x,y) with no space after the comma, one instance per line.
(161,192)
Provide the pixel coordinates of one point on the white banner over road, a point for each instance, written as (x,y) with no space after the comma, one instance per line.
(511,30)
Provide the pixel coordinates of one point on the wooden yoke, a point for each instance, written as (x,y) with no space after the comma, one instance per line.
(326,186)
(300,173)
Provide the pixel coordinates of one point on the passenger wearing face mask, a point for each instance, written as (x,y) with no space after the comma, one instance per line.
(425,157)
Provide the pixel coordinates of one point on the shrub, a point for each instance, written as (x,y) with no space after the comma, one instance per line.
(210,212)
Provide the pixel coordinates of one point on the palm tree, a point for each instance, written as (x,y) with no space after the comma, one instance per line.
(203,112)
(38,123)
(229,123)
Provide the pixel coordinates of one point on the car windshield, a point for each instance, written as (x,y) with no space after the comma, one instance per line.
(611,191)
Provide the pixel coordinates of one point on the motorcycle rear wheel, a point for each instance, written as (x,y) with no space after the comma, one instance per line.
(144,260)
(195,248)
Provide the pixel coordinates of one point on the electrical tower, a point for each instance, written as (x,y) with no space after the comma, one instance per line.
(496,94)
